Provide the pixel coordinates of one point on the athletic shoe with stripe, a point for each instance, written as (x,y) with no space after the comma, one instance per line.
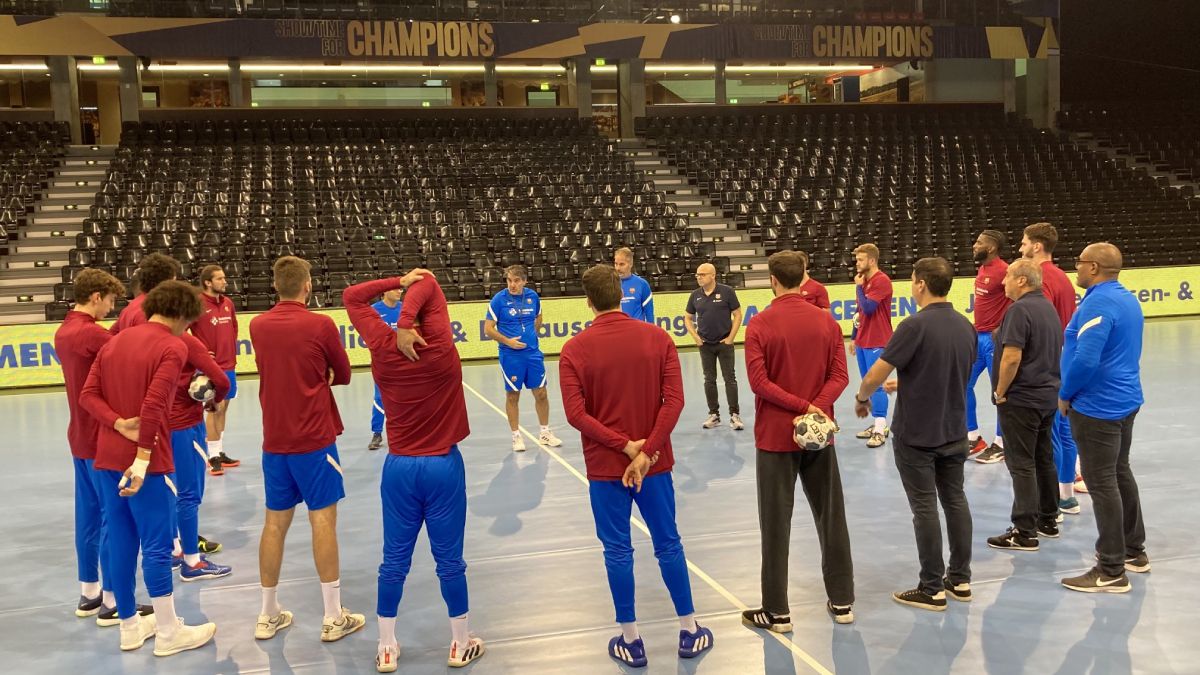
(712,421)
(736,423)
(632,654)
(921,600)
(1139,563)
(227,461)
(133,638)
(209,546)
(215,467)
(761,618)
(461,655)
(878,438)
(376,442)
(1070,506)
(108,616)
(1096,581)
(1080,486)
(386,657)
(1048,529)
(1012,540)
(548,439)
(992,455)
(205,569)
(184,637)
(88,606)
(332,631)
(694,644)
(518,444)
(977,447)
(842,614)
(268,626)
(960,592)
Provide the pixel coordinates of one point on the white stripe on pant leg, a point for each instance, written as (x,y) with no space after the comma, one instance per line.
(201,451)
(334,464)
(376,406)
(171,485)
(507,383)
(543,381)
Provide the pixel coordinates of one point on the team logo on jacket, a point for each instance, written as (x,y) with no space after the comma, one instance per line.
(215,321)
(717,296)
(512,311)
(513,378)
(529,301)
(631,290)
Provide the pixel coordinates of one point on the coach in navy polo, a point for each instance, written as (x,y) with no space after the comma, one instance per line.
(718,319)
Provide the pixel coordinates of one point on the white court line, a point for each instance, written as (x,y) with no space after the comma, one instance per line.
(712,583)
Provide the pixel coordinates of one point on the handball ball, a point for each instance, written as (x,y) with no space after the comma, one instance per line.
(201,388)
(814,431)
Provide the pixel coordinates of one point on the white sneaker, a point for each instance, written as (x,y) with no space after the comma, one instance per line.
(735,422)
(548,438)
(713,421)
(268,626)
(386,657)
(460,657)
(332,631)
(133,638)
(518,444)
(185,638)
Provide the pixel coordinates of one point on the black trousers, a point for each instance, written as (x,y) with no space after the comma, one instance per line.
(822,484)
(1104,459)
(709,355)
(931,475)
(1029,454)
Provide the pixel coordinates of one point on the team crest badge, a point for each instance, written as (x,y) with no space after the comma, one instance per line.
(214,321)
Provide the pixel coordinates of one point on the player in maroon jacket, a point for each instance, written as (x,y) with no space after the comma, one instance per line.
(217,328)
(152,271)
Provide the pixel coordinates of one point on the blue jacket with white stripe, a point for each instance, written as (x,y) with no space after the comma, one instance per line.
(1101,375)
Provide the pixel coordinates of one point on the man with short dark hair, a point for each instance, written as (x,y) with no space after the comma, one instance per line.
(154,269)
(637,300)
(933,352)
(871,332)
(990,305)
(388,308)
(217,328)
(1025,391)
(625,416)
(813,291)
(1102,393)
(797,365)
(718,320)
(514,319)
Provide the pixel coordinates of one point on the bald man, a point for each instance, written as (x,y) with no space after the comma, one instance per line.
(718,318)
(1101,393)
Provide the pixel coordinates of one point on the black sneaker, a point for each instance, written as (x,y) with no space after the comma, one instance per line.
(1139,563)
(108,615)
(215,467)
(1048,529)
(921,600)
(960,592)
(209,546)
(992,455)
(227,461)
(761,618)
(1013,540)
(87,606)
(840,614)
(1096,581)
(376,442)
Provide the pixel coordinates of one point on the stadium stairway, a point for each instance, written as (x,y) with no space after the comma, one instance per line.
(32,268)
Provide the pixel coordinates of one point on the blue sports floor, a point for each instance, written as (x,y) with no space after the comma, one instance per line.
(538,592)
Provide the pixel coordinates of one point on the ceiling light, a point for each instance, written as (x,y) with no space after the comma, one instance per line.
(675,18)
(23,66)
(681,68)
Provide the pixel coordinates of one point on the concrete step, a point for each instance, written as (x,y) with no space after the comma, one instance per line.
(49,231)
(91,150)
(639,152)
(29,277)
(747,263)
(92,186)
(668,180)
(26,299)
(61,218)
(680,190)
(697,221)
(658,173)
(728,236)
(18,314)
(42,245)
(741,247)
(80,195)
(720,226)
(631,143)
(687,203)
(87,173)
(84,162)
(57,203)
(43,260)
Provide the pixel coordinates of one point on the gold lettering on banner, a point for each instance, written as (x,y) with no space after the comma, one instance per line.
(421,39)
(818,42)
(859,42)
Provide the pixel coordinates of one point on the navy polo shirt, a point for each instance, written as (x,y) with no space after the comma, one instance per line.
(713,312)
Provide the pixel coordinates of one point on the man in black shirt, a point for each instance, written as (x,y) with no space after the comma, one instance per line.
(718,320)
(1025,389)
(933,352)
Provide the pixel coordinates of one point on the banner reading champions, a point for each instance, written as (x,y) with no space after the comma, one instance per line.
(27,357)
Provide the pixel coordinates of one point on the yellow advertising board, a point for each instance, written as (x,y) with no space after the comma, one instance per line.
(27,357)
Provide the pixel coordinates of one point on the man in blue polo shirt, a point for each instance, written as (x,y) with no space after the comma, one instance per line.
(1101,393)
(718,319)
(637,300)
(389,310)
(514,319)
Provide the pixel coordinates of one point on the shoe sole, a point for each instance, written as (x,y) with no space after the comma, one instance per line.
(391,668)
(107,623)
(1100,589)
(202,577)
(1139,569)
(287,621)
(920,605)
(988,460)
(342,635)
(172,652)
(1050,535)
(957,597)
(551,445)
(1027,549)
(774,628)
(230,465)
(129,648)
(85,613)
(842,619)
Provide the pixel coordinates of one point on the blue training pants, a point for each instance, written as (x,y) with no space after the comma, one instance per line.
(612,505)
(190,448)
(429,491)
(1065,450)
(146,521)
(867,358)
(984,352)
(89,526)
(377,415)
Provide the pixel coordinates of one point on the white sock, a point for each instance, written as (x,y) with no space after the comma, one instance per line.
(89,589)
(176,548)
(688,623)
(545,428)
(214,448)
(332,594)
(1066,490)
(270,601)
(164,613)
(458,629)
(192,559)
(880,424)
(109,600)
(387,631)
(131,623)
(973,436)
(516,434)
(999,442)
(629,631)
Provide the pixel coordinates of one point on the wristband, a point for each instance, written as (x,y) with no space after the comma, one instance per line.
(861,400)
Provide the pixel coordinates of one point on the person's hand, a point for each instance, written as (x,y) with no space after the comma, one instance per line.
(135,475)
(414,276)
(406,341)
(862,408)
(128,428)
(858,279)
(891,386)
(1064,407)
(329,376)
(728,340)
(851,348)
(999,399)
(698,341)
(634,448)
(636,472)
(514,343)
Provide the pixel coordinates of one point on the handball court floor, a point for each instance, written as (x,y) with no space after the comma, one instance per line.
(539,596)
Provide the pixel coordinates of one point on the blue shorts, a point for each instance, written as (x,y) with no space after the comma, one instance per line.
(232,375)
(523,371)
(314,478)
